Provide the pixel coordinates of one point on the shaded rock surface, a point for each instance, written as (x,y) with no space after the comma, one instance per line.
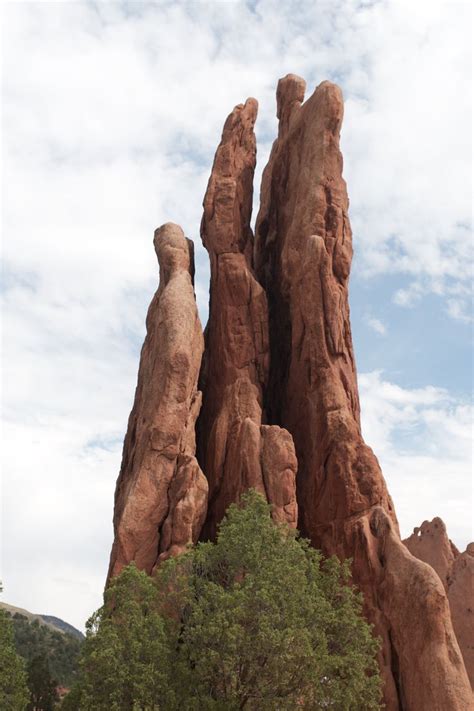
(161,493)
(431,544)
(235,448)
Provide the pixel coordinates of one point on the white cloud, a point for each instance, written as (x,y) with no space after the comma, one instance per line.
(376,325)
(117,102)
(111,115)
(422,438)
(409,296)
(460,308)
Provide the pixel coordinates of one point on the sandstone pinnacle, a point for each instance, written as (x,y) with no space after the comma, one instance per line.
(236,450)
(161,493)
(280,409)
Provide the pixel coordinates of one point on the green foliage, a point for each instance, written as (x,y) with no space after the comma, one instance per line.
(33,640)
(42,686)
(256,621)
(13,690)
(125,661)
(268,625)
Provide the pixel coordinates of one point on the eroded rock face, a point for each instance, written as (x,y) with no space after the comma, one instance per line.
(236,449)
(431,544)
(461,602)
(161,493)
(303,255)
(280,400)
(426,662)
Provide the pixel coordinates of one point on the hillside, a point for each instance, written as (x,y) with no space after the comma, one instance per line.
(47,637)
(55,623)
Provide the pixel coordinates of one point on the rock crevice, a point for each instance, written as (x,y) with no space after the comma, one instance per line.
(236,449)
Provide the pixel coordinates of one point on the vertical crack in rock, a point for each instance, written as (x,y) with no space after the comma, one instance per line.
(302,256)
(236,450)
(161,493)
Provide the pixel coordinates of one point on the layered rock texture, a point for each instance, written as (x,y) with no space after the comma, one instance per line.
(280,405)
(161,493)
(431,544)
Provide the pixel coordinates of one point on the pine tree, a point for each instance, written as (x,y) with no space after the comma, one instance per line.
(256,621)
(42,686)
(14,693)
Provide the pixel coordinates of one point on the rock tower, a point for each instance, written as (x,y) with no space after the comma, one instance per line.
(280,405)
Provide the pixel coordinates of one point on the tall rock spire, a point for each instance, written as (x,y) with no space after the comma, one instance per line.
(280,398)
(161,493)
(236,449)
(303,253)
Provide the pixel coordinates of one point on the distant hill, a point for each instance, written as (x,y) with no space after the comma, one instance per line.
(62,626)
(49,637)
(54,622)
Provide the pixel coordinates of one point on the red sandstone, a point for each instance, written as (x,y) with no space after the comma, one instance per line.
(280,400)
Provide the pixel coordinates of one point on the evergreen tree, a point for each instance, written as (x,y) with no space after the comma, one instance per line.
(33,639)
(256,621)
(42,686)
(13,689)
(266,623)
(125,660)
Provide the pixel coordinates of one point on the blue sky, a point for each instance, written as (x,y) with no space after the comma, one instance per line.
(111,115)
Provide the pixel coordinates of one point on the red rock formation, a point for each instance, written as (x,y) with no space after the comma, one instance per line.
(461,602)
(431,544)
(303,255)
(278,376)
(161,494)
(235,449)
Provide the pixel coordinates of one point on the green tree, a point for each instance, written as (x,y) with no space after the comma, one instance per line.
(43,695)
(256,621)
(266,623)
(13,689)
(61,649)
(125,659)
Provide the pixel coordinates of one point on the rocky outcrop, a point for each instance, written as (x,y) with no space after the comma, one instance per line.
(461,602)
(303,255)
(236,449)
(431,544)
(280,399)
(161,493)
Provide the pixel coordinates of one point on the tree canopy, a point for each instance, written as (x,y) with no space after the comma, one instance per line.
(256,620)
(42,686)
(14,694)
(60,649)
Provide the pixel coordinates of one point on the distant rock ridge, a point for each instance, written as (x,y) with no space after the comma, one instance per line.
(431,544)
(280,405)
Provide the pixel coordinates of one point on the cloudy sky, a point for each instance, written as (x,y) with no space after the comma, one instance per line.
(111,113)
